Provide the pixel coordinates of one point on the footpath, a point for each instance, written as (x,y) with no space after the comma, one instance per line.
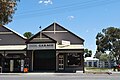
(109,72)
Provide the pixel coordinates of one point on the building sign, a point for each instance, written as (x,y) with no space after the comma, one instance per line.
(13,56)
(64,42)
(41,46)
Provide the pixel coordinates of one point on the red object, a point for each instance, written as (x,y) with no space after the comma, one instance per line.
(25,70)
(118,66)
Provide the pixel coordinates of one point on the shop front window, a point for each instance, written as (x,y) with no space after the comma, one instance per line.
(73,59)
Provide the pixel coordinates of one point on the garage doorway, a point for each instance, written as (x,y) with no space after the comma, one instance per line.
(44,61)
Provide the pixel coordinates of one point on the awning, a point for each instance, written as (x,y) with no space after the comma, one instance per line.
(12,47)
(15,55)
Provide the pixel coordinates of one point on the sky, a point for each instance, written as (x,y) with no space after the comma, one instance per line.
(85,18)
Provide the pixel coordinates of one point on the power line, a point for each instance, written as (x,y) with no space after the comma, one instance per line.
(76,6)
(58,7)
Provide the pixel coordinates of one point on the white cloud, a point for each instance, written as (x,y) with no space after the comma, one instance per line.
(46,2)
(71,17)
(40,2)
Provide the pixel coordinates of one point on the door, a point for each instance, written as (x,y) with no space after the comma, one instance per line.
(61,62)
(17,65)
(44,60)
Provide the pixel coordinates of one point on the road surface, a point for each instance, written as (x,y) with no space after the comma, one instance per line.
(59,76)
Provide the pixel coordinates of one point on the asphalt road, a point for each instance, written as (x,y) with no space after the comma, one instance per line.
(59,76)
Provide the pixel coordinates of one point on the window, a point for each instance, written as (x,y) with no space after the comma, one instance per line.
(73,59)
(95,64)
(90,64)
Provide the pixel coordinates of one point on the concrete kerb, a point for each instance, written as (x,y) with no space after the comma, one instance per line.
(10,73)
(77,73)
(36,73)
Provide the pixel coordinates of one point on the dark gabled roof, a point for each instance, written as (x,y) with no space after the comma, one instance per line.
(57,37)
(10,37)
(70,32)
(38,34)
(10,30)
(63,29)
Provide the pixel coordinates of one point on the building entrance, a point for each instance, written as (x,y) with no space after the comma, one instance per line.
(44,61)
(14,65)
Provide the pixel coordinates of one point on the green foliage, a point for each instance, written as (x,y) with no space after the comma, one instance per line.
(109,40)
(7,9)
(97,54)
(104,57)
(28,34)
(87,53)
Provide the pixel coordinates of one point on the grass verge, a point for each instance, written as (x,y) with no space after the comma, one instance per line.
(93,69)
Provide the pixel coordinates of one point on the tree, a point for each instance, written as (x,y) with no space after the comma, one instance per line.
(28,34)
(7,9)
(104,57)
(87,53)
(109,40)
(97,54)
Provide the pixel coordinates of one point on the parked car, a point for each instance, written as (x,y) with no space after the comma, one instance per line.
(118,67)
